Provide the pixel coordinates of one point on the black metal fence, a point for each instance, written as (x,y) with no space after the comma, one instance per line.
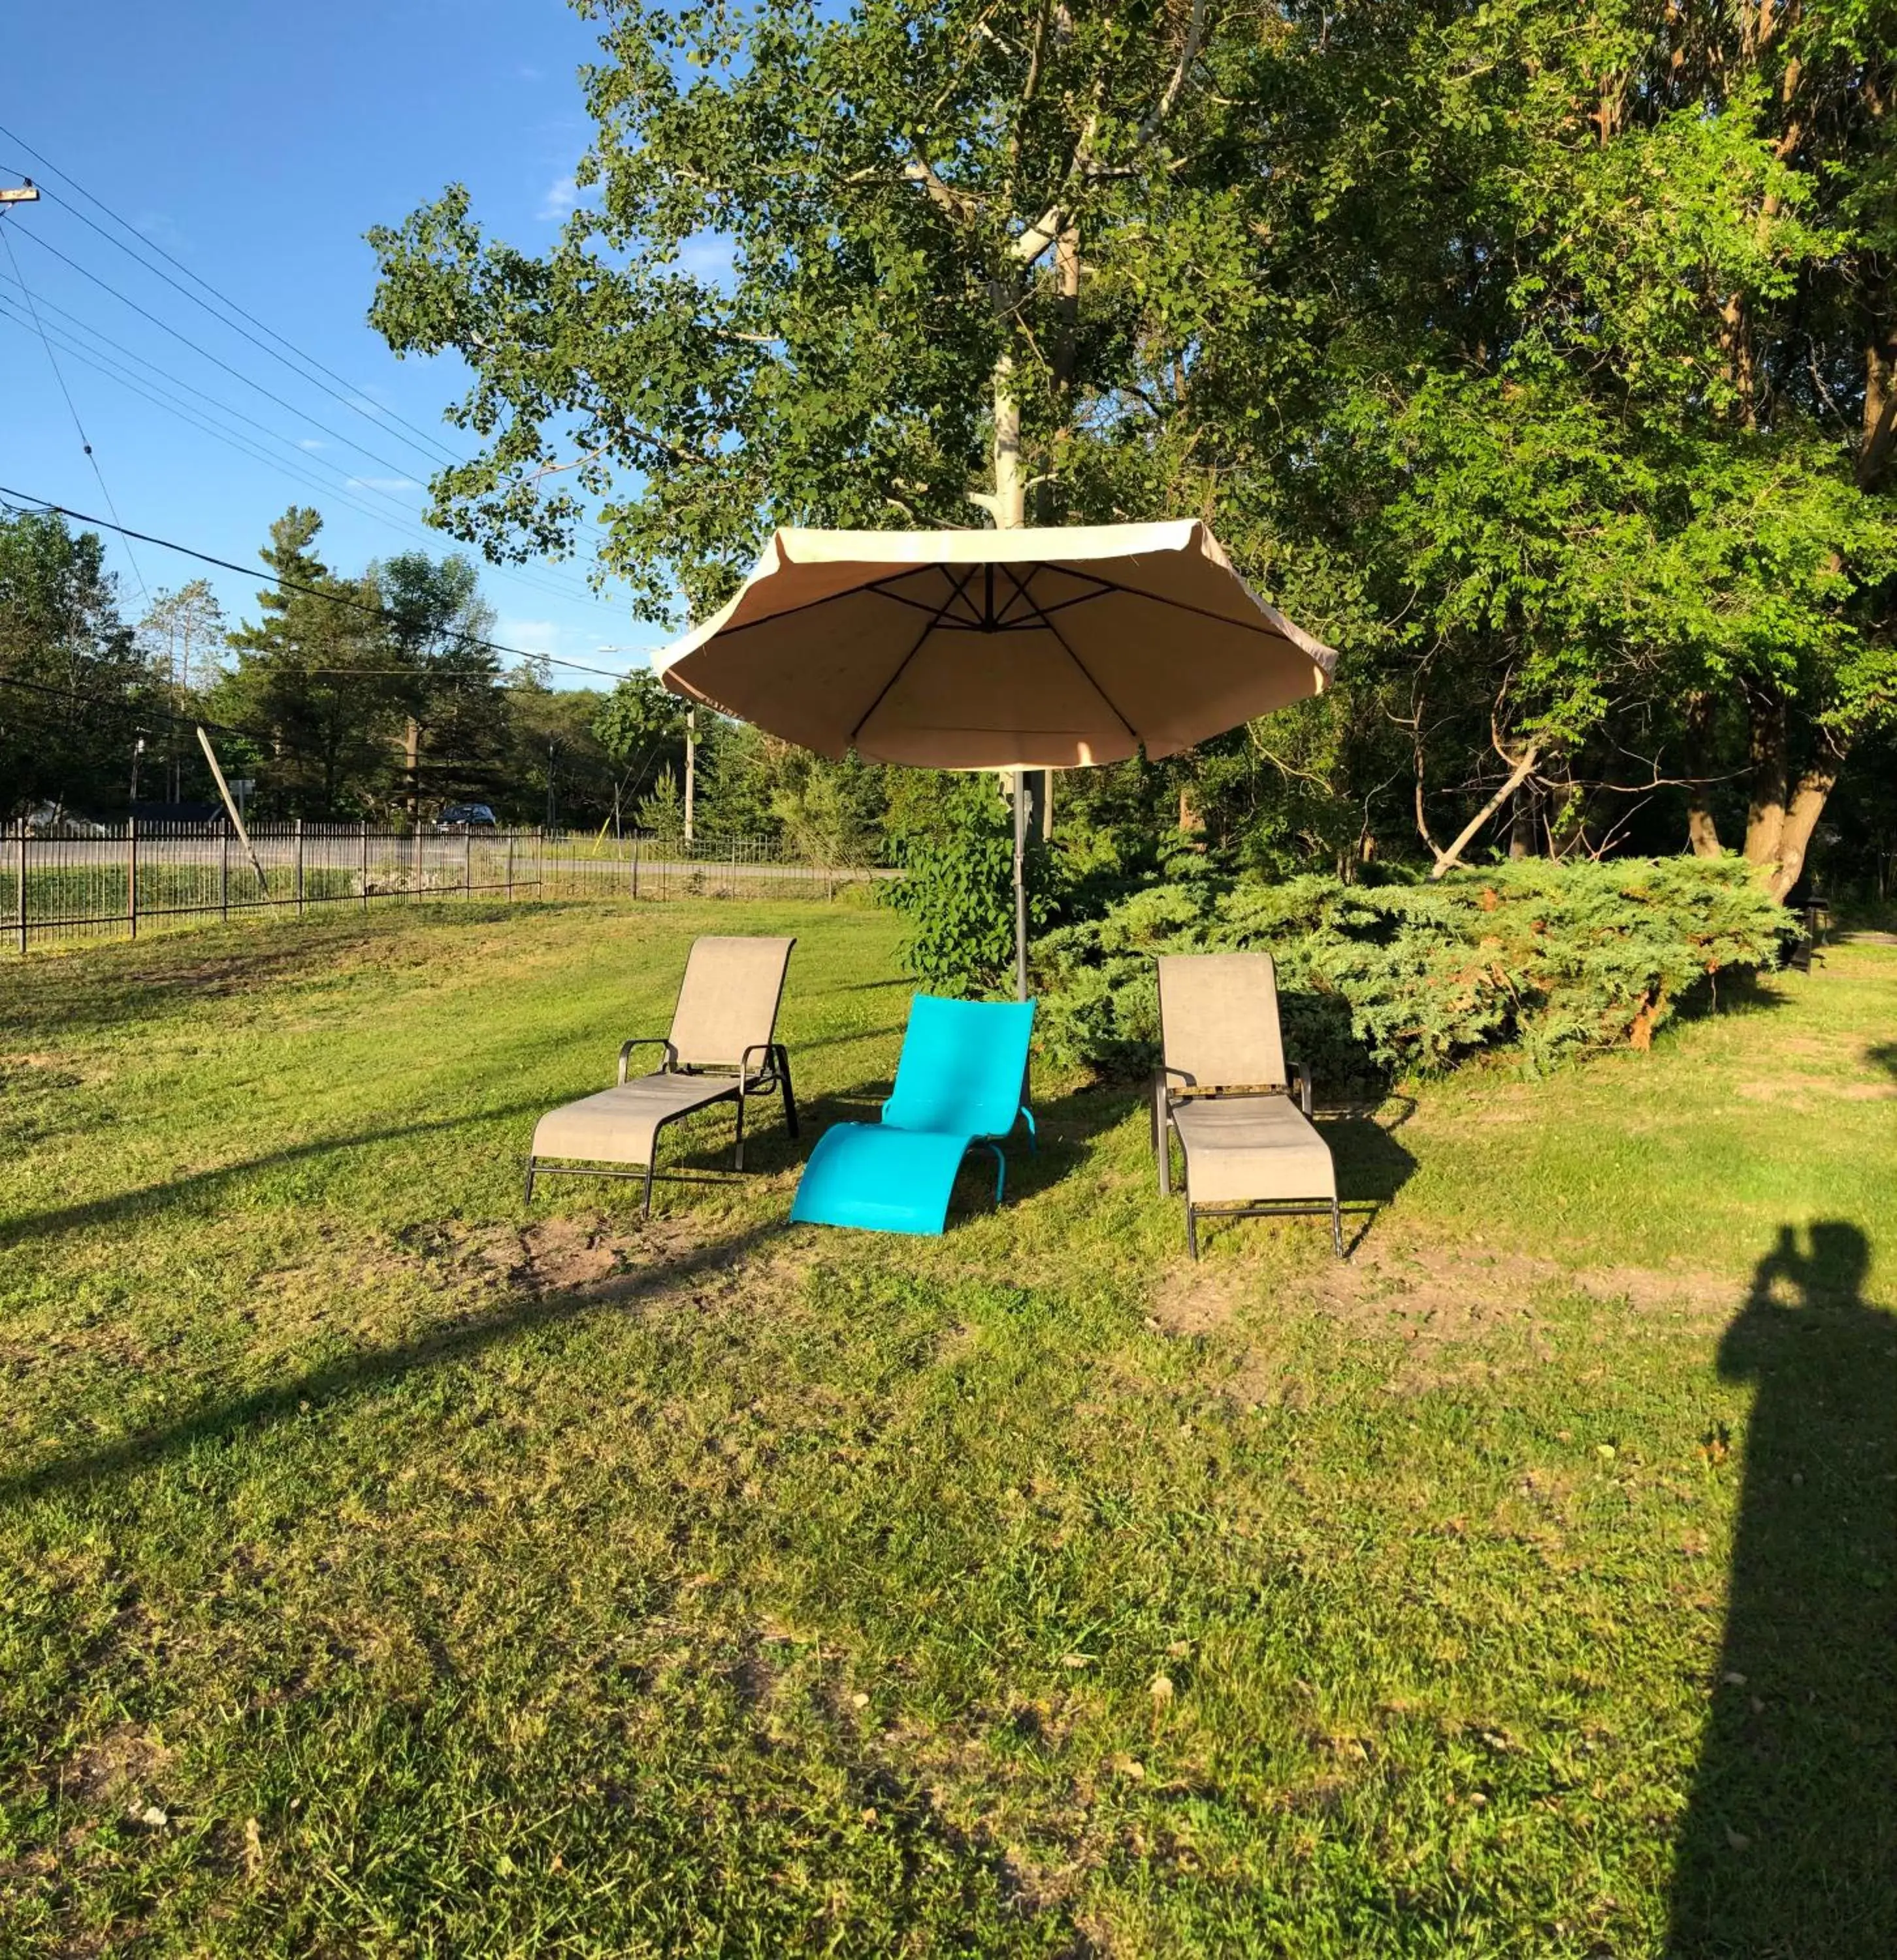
(131,879)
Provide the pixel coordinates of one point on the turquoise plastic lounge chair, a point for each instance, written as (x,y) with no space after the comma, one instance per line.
(959,1083)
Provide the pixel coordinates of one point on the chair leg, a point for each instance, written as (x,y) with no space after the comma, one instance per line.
(1001,1172)
(1034,1135)
(738,1148)
(649,1168)
(790,1099)
(531,1163)
(1192,1230)
(1162,1151)
(1336,1228)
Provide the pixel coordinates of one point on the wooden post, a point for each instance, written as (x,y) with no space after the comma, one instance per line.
(299,834)
(223,876)
(20,897)
(131,874)
(364,867)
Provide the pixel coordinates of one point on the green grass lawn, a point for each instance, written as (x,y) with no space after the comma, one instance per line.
(384,1573)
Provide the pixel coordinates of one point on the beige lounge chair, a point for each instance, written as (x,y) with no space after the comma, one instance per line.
(1250,1150)
(722,1049)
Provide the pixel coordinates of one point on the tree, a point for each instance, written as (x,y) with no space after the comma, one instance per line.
(183,635)
(454,733)
(952,230)
(1545,362)
(71,684)
(642,730)
(313,683)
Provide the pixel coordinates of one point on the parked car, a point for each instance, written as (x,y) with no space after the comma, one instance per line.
(466,816)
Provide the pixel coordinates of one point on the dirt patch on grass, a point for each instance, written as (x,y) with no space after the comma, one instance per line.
(120,1769)
(1460,1312)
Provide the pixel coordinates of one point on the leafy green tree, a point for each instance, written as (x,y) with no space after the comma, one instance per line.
(642,730)
(915,200)
(311,685)
(559,773)
(454,732)
(1544,361)
(71,681)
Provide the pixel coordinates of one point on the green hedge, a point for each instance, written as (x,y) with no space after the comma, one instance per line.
(1376,981)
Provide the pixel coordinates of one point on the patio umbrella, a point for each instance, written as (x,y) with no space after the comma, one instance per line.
(1012,649)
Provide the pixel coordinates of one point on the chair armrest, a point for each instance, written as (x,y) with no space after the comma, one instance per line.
(647,1041)
(768,1073)
(1302,1070)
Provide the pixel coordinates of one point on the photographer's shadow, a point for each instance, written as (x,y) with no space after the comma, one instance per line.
(1789,1845)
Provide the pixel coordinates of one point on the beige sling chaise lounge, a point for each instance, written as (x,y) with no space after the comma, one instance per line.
(722,1048)
(1250,1150)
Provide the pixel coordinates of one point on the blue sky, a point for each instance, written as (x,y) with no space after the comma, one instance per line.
(256,144)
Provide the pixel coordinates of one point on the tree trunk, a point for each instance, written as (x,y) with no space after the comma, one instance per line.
(1702,834)
(1766,818)
(1879,436)
(1801,819)
(1521,824)
(1008,505)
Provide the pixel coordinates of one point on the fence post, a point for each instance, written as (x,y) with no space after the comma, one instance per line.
(364,866)
(540,860)
(417,863)
(510,867)
(20,896)
(635,864)
(299,832)
(467,863)
(131,874)
(224,874)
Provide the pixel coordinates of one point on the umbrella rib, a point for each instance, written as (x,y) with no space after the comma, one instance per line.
(1261,626)
(882,693)
(880,586)
(1060,640)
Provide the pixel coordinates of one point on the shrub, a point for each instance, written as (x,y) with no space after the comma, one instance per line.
(957,891)
(1548,960)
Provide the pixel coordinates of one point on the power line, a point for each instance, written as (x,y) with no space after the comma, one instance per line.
(348,398)
(6,238)
(102,364)
(25,498)
(309,360)
(204,354)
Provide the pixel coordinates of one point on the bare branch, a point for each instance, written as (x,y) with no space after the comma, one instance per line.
(1516,776)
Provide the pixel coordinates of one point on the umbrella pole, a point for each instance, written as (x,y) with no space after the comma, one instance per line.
(1021,884)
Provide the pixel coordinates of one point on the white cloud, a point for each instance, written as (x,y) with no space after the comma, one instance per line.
(311,442)
(562,194)
(383,483)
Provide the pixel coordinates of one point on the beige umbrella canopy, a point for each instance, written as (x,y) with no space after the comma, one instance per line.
(1016,649)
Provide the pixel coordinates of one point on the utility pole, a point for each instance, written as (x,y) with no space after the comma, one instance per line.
(551,747)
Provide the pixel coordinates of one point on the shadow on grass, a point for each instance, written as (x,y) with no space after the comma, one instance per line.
(207,1186)
(1789,1846)
(368,1371)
